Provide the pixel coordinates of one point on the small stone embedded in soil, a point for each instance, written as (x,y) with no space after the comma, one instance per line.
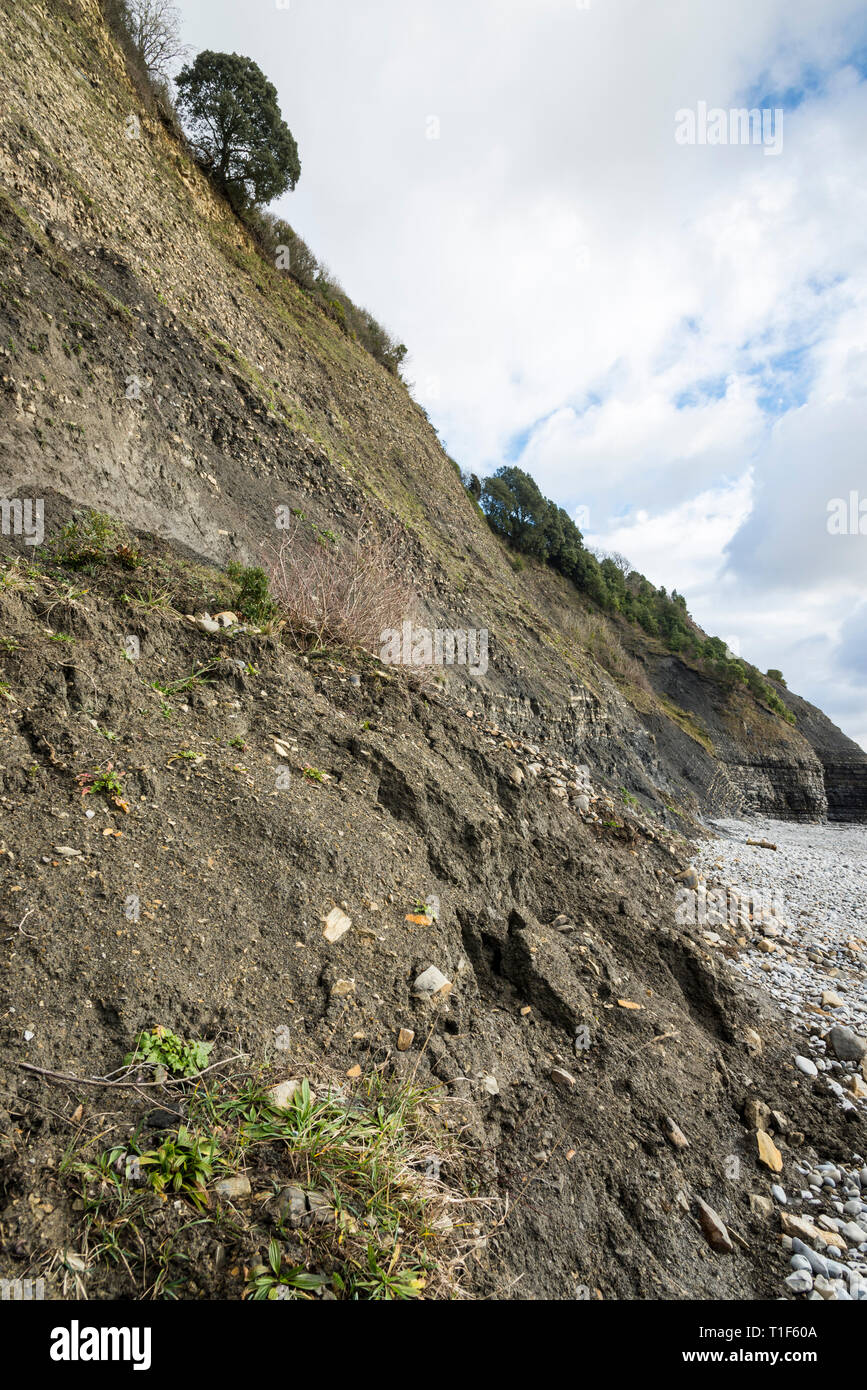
(282,1096)
(675,1135)
(560,1077)
(757,1115)
(807,1066)
(714,1228)
(431,982)
(769,1154)
(753,1041)
(405,1039)
(761,1206)
(291,1205)
(337,924)
(234,1188)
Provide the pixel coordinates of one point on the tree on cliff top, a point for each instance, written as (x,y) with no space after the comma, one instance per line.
(236,130)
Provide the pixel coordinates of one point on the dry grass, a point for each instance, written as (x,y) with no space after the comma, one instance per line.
(343,593)
(599,638)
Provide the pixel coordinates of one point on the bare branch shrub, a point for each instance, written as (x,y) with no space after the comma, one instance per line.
(154,27)
(343,594)
(599,637)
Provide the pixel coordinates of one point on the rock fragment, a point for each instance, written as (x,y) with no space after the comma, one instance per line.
(432,982)
(563,1078)
(337,924)
(714,1229)
(674,1134)
(769,1154)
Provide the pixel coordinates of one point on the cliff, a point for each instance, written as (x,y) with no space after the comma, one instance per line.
(155,367)
(215,831)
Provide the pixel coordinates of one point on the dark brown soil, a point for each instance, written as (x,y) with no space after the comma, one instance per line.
(234,876)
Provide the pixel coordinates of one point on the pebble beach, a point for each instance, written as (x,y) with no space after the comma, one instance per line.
(795,905)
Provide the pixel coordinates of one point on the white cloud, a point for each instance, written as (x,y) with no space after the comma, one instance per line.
(654,323)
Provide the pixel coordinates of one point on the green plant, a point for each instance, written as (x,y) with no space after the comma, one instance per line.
(187,755)
(150,599)
(106,782)
(94,539)
(384,1280)
(196,678)
(270,1283)
(235,128)
(183,1163)
(390,1227)
(252,593)
(160,1047)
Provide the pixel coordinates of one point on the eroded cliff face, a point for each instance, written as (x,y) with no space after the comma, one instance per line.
(844,766)
(555,909)
(154,367)
(764,766)
(581,1018)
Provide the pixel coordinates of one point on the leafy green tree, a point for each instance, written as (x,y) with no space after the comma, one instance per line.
(499,505)
(516,509)
(235,128)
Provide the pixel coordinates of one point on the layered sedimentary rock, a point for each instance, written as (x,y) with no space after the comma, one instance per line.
(844,762)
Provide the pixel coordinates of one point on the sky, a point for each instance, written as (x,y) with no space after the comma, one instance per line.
(666,328)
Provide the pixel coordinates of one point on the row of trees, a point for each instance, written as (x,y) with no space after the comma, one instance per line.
(533,525)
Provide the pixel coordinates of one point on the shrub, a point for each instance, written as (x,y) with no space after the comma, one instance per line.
(94,539)
(344,595)
(280,244)
(252,593)
(598,636)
